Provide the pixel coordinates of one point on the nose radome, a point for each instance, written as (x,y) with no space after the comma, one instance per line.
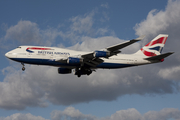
(6,54)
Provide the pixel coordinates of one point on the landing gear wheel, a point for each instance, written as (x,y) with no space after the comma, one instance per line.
(23,68)
(79,75)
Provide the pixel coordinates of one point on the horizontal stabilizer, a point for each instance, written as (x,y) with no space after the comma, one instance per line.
(159,57)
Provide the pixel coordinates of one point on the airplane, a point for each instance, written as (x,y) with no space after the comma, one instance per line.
(84,63)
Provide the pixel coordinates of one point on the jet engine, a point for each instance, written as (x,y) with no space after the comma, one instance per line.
(101,54)
(72,60)
(64,70)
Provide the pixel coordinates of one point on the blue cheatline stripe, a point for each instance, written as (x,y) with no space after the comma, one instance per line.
(156,48)
(54,63)
(29,51)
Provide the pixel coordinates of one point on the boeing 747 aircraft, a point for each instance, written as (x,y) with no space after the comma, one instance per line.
(84,63)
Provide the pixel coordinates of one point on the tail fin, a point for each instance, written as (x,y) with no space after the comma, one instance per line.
(154,47)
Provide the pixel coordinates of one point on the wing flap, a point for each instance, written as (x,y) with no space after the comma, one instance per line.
(93,62)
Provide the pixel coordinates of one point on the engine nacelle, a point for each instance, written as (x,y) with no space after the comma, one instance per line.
(101,54)
(64,70)
(72,60)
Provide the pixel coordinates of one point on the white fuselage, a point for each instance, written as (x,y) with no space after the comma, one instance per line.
(51,55)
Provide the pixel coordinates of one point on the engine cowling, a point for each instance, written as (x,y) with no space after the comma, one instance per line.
(64,70)
(72,60)
(101,54)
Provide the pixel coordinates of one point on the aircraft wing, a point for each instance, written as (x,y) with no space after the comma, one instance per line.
(114,49)
(124,44)
(91,59)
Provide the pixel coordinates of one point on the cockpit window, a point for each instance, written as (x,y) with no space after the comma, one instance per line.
(18,47)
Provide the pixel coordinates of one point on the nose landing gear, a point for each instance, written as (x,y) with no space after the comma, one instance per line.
(23,68)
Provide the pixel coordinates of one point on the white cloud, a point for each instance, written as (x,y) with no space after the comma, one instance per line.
(70,113)
(24,32)
(159,21)
(19,116)
(82,24)
(17,91)
(28,33)
(165,22)
(39,84)
(170,73)
(129,114)
(164,114)
(105,5)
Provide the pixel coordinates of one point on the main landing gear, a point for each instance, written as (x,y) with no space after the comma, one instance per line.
(82,71)
(23,68)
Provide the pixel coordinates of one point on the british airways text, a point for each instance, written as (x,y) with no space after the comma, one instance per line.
(56,53)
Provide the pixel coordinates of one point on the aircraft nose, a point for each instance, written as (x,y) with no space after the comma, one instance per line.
(6,54)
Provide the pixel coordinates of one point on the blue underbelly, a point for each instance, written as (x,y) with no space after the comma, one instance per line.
(51,62)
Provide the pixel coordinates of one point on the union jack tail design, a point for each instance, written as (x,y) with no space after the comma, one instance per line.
(154,47)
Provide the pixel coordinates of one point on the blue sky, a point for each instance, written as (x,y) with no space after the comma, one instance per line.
(41,93)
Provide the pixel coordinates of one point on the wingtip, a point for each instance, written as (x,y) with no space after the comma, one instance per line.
(171,52)
(140,38)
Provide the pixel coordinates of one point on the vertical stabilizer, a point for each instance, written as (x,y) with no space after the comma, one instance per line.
(154,47)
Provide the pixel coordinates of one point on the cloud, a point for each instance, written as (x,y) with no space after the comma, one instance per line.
(129,114)
(71,113)
(19,116)
(29,33)
(24,32)
(41,84)
(161,21)
(170,73)
(166,22)
(17,91)
(85,25)
(164,114)
(105,5)
(82,24)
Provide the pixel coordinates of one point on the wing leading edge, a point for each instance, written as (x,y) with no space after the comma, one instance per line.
(124,44)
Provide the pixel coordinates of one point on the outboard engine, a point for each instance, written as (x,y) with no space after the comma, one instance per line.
(98,54)
(73,60)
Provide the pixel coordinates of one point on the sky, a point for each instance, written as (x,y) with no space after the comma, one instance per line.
(150,92)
